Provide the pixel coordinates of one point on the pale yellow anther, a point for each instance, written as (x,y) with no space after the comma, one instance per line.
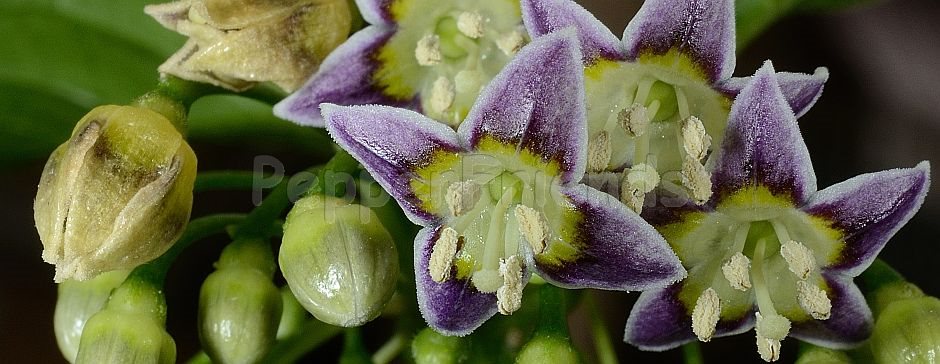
(598,153)
(770,330)
(643,177)
(509,295)
(442,95)
(768,349)
(468,81)
(737,272)
(634,120)
(470,24)
(428,51)
(461,197)
(533,227)
(442,255)
(705,315)
(696,180)
(695,140)
(511,42)
(633,198)
(814,300)
(799,258)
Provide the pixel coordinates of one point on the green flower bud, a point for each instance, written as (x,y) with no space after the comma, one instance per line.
(907,331)
(339,260)
(547,349)
(430,347)
(820,355)
(130,329)
(76,303)
(892,292)
(239,305)
(116,195)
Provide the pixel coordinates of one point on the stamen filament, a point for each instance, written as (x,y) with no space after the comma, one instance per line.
(682,102)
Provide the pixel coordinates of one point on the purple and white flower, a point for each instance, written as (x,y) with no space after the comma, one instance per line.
(432,56)
(768,251)
(499,198)
(657,99)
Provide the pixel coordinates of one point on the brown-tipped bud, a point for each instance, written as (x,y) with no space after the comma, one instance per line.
(117,194)
(235,44)
(339,260)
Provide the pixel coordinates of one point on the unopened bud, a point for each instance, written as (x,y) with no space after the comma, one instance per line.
(907,331)
(235,44)
(547,349)
(820,355)
(339,260)
(116,195)
(430,347)
(239,305)
(76,303)
(130,329)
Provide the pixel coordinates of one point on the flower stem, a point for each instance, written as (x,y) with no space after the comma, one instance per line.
(155,271)
(602,343)
(224,181)
(693,353)
(313,334)
(390,349)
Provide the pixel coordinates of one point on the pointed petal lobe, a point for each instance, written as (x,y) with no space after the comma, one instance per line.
(801,90)
(659,321)
(763,146)
(850,322)
(702,30)
(614,248)
(452,307)
(545,16)
(344,78)
(376,11)
(869,209)
(537,103)
(392,144)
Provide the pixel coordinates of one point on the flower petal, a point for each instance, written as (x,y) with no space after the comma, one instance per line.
(344,78)
(614,248)
(545,16)
(659,321)
(537,103)
(392,144)
(801,90)
(763,146)
(376,11)
(453,307)
(868,210)
(700,30)
(849,324)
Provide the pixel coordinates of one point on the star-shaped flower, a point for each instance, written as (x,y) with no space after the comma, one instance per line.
(768,251)
(428,55)
(500,197)
(658,99)
(237,43)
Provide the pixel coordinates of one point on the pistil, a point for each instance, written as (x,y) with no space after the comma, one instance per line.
(488,279)
(771,327)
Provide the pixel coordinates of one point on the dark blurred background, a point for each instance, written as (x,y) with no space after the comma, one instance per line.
(880,110)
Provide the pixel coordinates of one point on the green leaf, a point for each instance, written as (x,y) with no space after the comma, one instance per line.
(62,58)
